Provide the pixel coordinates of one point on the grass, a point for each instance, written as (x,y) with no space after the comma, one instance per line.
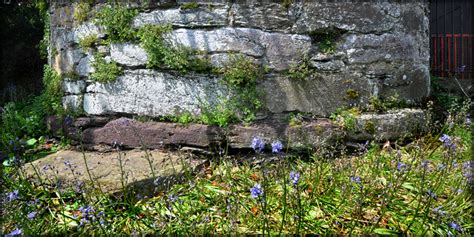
(416,188)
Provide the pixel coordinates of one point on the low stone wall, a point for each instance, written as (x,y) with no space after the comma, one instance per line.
(347,51)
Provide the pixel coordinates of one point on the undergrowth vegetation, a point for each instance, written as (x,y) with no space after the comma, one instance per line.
(417,188)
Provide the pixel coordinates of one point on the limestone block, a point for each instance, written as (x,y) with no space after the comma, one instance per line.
(74,86)
(147,92)
(203,16)
(128,54)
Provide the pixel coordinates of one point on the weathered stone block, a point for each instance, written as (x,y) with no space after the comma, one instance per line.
(147,92)
(128,54)
(203,16)
(389,126)
(72,102)
(74,86)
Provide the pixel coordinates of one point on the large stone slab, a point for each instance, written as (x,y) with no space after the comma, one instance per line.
(131,133)
(273,47)
(147,92)
(128,54)
(307,135)
(396,124)
(67,169)
(203,16)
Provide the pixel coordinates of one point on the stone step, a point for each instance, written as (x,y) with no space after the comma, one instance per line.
(67,169)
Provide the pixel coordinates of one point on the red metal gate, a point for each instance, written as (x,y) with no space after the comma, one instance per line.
(452,37)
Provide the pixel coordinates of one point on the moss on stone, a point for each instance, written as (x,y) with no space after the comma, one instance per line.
(189,6)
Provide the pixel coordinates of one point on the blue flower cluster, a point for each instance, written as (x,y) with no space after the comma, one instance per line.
(294,177)
(256,191)
(258,145)
(447,142)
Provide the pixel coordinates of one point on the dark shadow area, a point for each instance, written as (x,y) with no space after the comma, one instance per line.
(21,31)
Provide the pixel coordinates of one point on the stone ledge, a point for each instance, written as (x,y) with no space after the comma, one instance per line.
(313,134)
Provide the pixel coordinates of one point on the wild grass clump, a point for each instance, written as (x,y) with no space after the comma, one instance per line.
(421,187)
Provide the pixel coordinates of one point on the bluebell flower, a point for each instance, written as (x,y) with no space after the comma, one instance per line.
(11,196)
(256,191)
(447,142)
(431,194)
(15,232)
(441,166)
(172,198)
(355,179)
(401,167)
(425,164)
(455,226)
(466,165)
(438,211)
(257,144)
(294,177)
(277,146)
(31,215)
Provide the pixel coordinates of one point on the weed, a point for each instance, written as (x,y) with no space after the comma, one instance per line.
(295,119)
(369,127)
(51,96)
(346,119)
(301,70)
(189,6)
(81,10)
(104,71)
(382,105)
(162,54)
(287,3)
(88,41)
(117,22)
(352,94)
(241,76)
(71,75)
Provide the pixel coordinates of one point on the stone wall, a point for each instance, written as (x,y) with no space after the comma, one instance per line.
(375,50)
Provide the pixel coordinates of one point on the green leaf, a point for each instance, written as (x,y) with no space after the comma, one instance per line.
(410,187)
(382,231)
(31,142)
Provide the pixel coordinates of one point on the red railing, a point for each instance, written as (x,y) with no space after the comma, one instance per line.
(449,52)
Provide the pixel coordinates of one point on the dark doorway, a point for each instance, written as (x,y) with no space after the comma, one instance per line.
(452,37)
(21,65)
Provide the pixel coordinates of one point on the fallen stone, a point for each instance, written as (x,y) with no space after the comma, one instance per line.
(66,169)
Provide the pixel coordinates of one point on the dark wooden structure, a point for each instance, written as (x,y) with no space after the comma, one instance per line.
(452,38)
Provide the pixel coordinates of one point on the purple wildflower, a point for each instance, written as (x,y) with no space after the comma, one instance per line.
(172,198)
(31,215)
(447,142)
(355,179)
(455,226)
(425,164)
(438,211)
(432,194)
(441,166)
(11,196)
(294,177)
(256,191)
(15,232)
(401,167)
(257,144)
(277,146)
